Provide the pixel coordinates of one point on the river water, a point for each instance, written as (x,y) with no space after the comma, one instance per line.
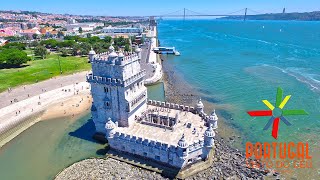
(236,64)
(49,146)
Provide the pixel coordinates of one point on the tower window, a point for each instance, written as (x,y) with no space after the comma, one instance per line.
(106,89)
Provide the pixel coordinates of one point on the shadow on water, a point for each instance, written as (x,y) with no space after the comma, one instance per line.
(85,132)
(103,151)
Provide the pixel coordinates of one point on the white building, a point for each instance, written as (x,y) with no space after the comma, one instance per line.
(122,30)
(173,134)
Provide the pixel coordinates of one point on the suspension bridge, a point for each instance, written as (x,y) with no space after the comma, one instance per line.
(190,13)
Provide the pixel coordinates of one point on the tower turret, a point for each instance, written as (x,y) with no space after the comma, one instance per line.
(92,53)
(209,137)
(200,107)
(120,59)
(113,56)
(109,128)
(183,147)
(213,120)
(138,51)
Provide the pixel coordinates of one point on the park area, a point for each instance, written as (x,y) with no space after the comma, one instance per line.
(41,69)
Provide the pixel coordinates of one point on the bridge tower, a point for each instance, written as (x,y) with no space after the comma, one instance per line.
(184,13)
(245,14)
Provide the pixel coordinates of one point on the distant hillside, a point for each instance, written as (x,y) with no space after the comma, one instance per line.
(306,16)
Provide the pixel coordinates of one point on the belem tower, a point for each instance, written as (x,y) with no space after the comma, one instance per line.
(171,134)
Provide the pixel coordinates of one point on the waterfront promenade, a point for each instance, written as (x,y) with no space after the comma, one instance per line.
(151,64)
(59,97)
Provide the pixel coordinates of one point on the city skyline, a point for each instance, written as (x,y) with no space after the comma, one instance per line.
(145,8)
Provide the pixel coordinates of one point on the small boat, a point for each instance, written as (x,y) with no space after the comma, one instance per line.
(166,50)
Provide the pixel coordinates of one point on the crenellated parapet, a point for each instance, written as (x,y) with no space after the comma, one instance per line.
(196,145)
(123,138)
(107,58)
(104,80)
(172,106)
(135,78)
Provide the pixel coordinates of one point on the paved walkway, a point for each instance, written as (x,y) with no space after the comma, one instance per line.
(24,92)
(149,60)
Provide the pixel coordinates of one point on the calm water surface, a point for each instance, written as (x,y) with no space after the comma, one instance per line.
(47,147)
(237,64)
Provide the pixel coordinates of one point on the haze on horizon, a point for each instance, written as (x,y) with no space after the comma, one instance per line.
(148,7)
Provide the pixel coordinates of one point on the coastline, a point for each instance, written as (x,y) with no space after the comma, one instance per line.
(69,102)
(154,60)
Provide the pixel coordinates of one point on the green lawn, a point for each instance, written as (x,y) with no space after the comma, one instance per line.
(41,70)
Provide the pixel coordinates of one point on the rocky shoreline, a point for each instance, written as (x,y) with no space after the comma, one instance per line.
(229,163)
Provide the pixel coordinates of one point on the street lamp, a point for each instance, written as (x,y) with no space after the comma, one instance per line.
(59,63)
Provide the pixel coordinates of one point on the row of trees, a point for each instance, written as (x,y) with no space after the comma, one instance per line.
(13,54)
(75,45)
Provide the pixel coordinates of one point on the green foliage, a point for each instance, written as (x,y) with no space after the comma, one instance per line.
(127,47)
(66,43)
(34,44)
(64,52)
(50,43)
(13,56)
(120,41)
(15,45)
(107,39)
(41,70)
(41,51)
(80,30)
(15,38)
(35,36)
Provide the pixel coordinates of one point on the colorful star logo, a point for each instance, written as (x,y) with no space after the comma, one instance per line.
(277,113)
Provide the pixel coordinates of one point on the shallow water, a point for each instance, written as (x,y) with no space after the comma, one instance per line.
(236,64)
(47,147)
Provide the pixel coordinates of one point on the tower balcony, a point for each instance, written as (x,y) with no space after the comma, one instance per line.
(135,78)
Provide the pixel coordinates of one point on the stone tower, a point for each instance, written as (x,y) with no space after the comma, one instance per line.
(117,88)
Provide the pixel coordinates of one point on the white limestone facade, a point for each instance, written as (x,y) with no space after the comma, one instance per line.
(172,134)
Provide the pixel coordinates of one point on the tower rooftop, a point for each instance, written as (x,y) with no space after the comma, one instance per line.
(190,124)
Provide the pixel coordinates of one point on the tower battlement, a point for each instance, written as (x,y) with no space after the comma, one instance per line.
(169,133)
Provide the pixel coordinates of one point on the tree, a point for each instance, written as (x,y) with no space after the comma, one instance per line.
(64,52)
(76,49)
(41,51)
(13,56)
(50,43)
(35,36)
(85,48)
(15,45)
(107,39)
(80,30)
(127,48)
(60,34)
(34,44)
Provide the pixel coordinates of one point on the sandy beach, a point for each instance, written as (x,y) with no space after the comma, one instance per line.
(67,96)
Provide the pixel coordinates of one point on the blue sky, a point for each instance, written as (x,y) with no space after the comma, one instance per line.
(156,7)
